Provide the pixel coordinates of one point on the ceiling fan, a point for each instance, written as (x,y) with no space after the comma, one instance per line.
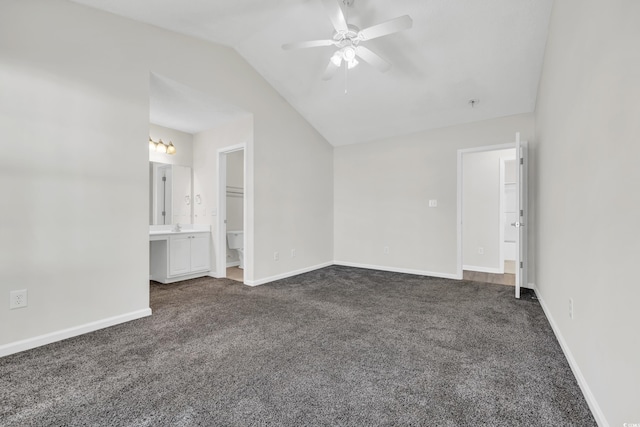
(349,38)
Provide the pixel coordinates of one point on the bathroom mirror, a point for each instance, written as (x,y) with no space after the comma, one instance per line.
(170,198)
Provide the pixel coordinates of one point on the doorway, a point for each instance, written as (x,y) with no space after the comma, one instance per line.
(232,218)
(491,195)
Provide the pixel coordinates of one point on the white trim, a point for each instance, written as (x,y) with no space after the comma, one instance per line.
(459,218)
(183,277)
(350,264)
(582,382)
(398,270)
(29,343)
(496,147)
(491,270)
(501,203)
(286,275)
(233,264)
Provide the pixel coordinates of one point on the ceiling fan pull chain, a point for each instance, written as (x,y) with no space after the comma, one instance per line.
(346,75)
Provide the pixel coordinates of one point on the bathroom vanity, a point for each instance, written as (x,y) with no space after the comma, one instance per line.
(179,255)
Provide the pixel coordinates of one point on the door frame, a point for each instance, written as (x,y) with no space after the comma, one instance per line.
(522,191)
(221,225)
(461,153)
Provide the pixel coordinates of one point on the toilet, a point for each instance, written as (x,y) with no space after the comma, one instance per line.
(235,240)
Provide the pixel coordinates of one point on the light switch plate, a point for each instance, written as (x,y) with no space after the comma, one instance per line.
(433,203)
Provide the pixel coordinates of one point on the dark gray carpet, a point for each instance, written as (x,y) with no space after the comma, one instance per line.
(338,346)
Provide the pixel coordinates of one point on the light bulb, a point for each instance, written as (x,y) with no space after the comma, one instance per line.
(349,53)
(353,63)
(336,59)
(171,149)
(152,145)
(161,148)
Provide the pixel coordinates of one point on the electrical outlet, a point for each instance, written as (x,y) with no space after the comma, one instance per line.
(293,253)
(18,299)
(433,203)
(571,308)
(386,249)
(276,256)
(481,250)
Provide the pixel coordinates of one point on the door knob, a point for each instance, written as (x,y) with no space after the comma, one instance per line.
(517,224)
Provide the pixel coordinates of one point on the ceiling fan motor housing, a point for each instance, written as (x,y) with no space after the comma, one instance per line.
(347,38)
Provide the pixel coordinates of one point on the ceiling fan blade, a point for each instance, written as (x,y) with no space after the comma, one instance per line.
(387,27)
(373,59)
(311,43)
(332,68)
(336,15)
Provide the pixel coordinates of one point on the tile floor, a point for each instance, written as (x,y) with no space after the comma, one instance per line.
(508,278)
(235,273)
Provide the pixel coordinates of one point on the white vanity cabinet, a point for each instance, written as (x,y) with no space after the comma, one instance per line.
(188,253)
(179,256)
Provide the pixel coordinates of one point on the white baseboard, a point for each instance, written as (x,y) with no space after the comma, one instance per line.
(233,264)
(286,275)
(453,276)
(483,269)
(582,382)
(18,346)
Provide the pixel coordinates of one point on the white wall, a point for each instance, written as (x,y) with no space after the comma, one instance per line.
(587,149)
(74,129)
(481,209)
(382,190)
(206,146)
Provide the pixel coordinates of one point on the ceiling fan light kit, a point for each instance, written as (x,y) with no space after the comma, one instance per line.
(348,38)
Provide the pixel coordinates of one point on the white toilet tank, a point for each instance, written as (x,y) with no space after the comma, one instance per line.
(235,239)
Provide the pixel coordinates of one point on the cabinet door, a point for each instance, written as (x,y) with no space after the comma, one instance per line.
(200,258)
(179,255)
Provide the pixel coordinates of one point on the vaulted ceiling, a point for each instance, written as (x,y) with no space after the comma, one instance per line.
(457,50)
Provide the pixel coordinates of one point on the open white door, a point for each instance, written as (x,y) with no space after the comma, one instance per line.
(521,199)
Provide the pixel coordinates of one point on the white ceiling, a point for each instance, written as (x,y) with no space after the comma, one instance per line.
(176,106)
(457,50)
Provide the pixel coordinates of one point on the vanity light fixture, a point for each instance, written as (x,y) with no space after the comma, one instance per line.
(161,147)
(171,149)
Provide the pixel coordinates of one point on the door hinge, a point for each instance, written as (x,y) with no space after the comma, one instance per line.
(521,264)
(164,213)
(164,179)
(521,160)
(521,212)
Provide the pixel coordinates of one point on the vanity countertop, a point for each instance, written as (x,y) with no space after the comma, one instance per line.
(163,231)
